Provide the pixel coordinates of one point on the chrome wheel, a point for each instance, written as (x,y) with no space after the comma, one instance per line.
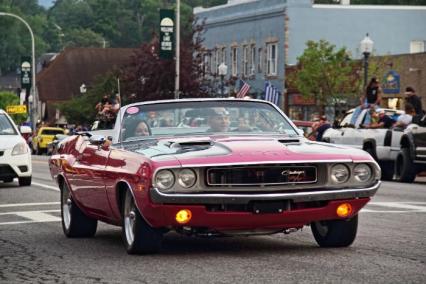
(129,219)
(66,207)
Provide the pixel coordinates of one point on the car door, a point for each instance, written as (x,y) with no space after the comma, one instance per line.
(419,137)
(352,136)
(88,178)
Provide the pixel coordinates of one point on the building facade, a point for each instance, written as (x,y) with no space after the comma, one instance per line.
(257,39)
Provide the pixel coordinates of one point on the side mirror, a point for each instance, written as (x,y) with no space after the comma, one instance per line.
(97,140)
(25,130)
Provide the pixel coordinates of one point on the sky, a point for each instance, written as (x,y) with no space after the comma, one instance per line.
(46,3)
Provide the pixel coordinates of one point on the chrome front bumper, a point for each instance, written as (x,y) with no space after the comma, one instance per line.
(232,198)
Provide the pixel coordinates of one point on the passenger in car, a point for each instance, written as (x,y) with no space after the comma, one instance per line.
(406,118)
(383,121)
(137,129)
(218,120)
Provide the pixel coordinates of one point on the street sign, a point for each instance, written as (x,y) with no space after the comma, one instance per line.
(26,73)
(16,109)
(167,29)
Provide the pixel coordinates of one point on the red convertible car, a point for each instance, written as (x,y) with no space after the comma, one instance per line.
(210,167)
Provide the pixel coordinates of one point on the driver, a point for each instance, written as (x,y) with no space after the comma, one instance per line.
(218,120)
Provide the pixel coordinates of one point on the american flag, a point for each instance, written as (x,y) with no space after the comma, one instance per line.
(244,88)
(271,93)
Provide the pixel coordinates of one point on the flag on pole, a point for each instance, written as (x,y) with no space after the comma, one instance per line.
(271,93)
(244,88)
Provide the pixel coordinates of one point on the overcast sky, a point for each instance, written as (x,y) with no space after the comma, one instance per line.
(46,3)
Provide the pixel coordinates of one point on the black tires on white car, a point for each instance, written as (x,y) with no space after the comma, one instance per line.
(405,169)
(24,181)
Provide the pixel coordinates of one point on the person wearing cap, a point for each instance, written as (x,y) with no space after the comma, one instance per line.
(414,100)
(218,120)
(383,121)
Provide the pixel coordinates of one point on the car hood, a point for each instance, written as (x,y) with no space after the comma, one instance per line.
(9,141)
(245,150)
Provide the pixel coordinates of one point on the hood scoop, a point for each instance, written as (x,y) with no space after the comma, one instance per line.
(189,145)
(289,141)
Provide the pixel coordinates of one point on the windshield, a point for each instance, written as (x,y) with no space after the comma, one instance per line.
(201,118)
(6,127)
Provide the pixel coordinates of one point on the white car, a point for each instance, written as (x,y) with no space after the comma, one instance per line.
(15,155)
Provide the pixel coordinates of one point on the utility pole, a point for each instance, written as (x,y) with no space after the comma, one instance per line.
(177,49)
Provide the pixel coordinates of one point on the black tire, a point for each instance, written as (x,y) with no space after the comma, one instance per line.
(8,180)
(75,223)
(405,169)
(24,181)
(388,170)
(138,236)
(372,153)
(335,233)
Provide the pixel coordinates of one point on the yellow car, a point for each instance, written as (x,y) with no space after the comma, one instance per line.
(44,136)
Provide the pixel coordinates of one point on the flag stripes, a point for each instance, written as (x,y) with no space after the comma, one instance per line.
(271,93)
(244,88)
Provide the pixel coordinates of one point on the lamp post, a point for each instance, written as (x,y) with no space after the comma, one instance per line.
(366,47)
(33,85)
(223,70)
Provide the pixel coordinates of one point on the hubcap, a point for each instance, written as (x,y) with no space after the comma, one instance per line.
(66,207)
(129,219)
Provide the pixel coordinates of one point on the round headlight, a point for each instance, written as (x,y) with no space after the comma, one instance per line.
(362,173)
(187,178)
(339,173)
(164,179)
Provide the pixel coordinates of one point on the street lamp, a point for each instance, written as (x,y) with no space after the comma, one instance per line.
(33,85)
(366,47)
(223,70)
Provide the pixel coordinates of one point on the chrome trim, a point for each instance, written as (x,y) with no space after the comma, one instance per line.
(220,198)
(270,183)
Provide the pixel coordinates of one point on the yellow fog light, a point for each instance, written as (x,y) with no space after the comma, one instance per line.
(183,216)
(344,210)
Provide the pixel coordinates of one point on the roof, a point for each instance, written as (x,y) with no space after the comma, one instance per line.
(63,77)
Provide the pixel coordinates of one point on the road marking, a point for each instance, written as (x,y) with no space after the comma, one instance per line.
(22,213)
(45,186)
(411,207)
(28,204)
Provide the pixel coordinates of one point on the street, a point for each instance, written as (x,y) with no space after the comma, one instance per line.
(389,248)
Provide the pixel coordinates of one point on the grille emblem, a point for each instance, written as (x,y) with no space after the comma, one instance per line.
(293,176)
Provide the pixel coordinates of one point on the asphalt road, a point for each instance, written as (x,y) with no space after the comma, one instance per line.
(390,246)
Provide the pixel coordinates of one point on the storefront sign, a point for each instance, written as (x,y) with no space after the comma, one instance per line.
(391,83)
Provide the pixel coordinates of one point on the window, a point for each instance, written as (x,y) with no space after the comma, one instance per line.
(218,57)
(417,46)
(223,55)
(252,62)
(260,62)
(271,57)
(213,62)
(234,59)
(205,64)
(245,61)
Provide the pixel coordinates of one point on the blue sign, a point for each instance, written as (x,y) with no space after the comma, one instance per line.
(391,83)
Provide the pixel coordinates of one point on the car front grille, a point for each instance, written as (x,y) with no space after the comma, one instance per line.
(261,175)
(6,171)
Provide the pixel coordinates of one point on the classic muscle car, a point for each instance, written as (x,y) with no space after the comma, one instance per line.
(210,167)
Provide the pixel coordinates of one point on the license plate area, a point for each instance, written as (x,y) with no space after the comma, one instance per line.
(270,207)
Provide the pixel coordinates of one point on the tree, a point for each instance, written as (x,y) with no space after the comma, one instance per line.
(81,109)
(9,99)
(152,78)
(324,73)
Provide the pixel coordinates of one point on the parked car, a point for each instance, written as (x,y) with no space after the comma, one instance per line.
(15,156)
(210,179)
(43,137)
(401,152)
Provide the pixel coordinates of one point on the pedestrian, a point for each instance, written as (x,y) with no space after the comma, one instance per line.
(324,125)
(414,100)
(406,118)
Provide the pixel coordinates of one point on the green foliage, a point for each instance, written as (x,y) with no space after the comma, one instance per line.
(9,99)
(81,109)
(325,73)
